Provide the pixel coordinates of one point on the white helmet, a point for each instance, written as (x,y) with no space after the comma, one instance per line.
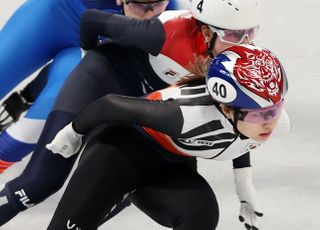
(227,14)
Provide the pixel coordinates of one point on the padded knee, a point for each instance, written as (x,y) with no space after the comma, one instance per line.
(12,150)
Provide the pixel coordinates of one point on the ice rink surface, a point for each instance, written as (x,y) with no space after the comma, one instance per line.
(286,169)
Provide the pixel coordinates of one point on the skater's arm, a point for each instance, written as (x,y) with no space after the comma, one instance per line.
(148,35)
(164,116)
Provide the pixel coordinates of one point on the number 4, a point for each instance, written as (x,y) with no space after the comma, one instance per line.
(199,6)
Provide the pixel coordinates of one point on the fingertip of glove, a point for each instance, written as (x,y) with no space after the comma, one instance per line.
(248,227)
(241,218)
(48,146)
(260,214)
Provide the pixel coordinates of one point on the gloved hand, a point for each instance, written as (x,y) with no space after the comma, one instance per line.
(67,142)
(12,108)
(249,207)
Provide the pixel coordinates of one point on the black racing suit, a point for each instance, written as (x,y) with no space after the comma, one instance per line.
(129,160)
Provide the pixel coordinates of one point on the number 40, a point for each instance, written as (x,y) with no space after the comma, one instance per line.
(219,90)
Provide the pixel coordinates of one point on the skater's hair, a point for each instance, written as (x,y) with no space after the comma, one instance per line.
(197,71)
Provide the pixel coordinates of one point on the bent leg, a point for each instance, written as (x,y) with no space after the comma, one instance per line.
(21,138)
(63,64)
(46,172)
(181,200)
(31,38)
(99,183)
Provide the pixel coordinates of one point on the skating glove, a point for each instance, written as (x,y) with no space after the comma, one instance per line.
(249,207)
(67,142)
(12,108)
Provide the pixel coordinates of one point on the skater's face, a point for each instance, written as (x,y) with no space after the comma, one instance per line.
(256,124)
(143,9)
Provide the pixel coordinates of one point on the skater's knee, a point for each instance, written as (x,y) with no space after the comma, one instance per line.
(12,150)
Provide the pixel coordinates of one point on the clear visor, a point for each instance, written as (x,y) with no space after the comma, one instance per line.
(264,115)
(142,6)
(235,37)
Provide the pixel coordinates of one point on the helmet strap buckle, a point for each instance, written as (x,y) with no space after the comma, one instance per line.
(210,45)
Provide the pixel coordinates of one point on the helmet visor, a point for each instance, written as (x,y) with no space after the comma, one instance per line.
(263,115)
(140,7)
(235,37)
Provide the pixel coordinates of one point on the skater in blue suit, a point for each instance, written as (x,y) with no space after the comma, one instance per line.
(41,32)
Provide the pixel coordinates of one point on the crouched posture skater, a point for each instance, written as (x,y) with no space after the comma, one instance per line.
(150,151)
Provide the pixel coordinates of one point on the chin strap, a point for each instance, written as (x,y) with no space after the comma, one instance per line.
(234,122)
(211,45)
(236,115)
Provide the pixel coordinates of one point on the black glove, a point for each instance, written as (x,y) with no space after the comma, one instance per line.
(12,108)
